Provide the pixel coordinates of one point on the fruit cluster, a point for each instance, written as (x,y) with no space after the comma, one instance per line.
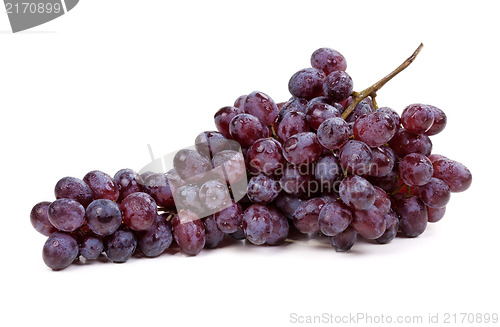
(328,161)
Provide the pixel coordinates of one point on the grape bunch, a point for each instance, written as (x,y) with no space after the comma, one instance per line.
(327,162)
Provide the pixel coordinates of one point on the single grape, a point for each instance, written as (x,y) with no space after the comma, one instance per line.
(375,129)
(287,204)
(384,160)
(328,60)
(391,228)
(190,165)
(213,235)
(457,176)
(210,143)
(382,200)
(103,217)
(365,107)
(302,148)
(128,182)
(369,223)
(334,218)
(91,247)
(224,116)
(257,224)
(39,218)
(293,122)
(240,101)
(139,211)
(188,198)
(189,232)
(214,195)
(294,104)
(333,133)
(246,129)
(295,182)
(263,189)
(59,251)
(435,214)
(307,83)
(439,122)
(67,215)
(415,169)
(305,218)
(266,156)
(102,185)
(404,143)
(393,114)
(413,216)
(230,165)
(435,193)
(417,118)
(343,241)
(327,172)
(318,112)
(338,86)
(280,227)
(356,157)
(121,245)
(435,157)
(357,192)
(261,105)
(229,219)
(73,188)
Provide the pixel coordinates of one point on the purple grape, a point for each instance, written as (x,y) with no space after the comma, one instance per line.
(280,227)
(415,169)
(413,216)
(266,156)
(435,157)
(214,195)
(307,83)
(287,204)
(343,241)
(294,182)
(73,188)
(257,224)
(439,122)
(393,114)
(417,118)
(374,129)
(369,223)
(39,218)
(229,219)
(139,211)
(389,182)
(435,193)
(333,133)
(453,173)
(305,218)
(213,235)
(191,166)
(302,148)
(338,86)
(103,217)
(365,107)
(294,104)
(157,185)
(102,185)
(224,116)
(404,143)
(209,144)
(391,228)
(327,172)
(231,164)
(188,198)
(382,200)
(189,232)
(356,157)
(293,122)
(384,160)
(121,245)
(246,129)
(261,105)
(318,112)
(328,60)
(240,101)
(66,215)
(238,235)
(357,192)
(334,218)
(262,189)
(128,182)
(59,251)
(91,247)
(435,214)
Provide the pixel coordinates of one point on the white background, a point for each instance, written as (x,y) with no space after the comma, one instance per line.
(91,89)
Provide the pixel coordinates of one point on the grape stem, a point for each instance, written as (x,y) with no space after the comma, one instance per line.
(372,90)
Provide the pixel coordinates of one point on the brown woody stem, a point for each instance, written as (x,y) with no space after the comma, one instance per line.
(372,90)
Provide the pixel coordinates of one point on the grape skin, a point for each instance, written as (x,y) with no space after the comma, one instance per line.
(231,164)
(266,155)
(210,143)
(121,245)
(39,218)
(261,105)
(262,189)
(302,148)
(257,224)
(139,211)
(391,229)
(415,169)
(294,182)
(128,182)
(328,60)
(435,193)
(457,176)
(327,172)
(307,83)
(343,241)
(384,160)
(240,101)
(404,143)
(374,129)
(318,112)
(73,188)
(157,239)
(293,122)
(413,213)
(369,223)
(338,86)
(439,122)
(66,214)
(190,165)
(59,251)
(224,116)
(334,218)
(91,247)
(214,195)
(356,157)
(189,232)
(246,129)
(157,185)
(103,217)
(417,118)
(213,235)
(229,219)
(357,192)
(280,227)
(287,204)
(305,218)
(435,214)
(102,185)
(333,133)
